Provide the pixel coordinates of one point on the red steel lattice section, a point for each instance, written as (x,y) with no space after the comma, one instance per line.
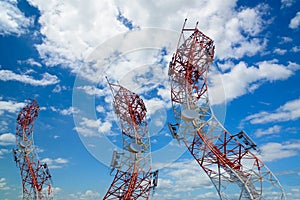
(225,158)
(134,177)
(34,174)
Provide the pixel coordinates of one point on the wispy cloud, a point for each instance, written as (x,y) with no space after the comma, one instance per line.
(272,130)
(289,111)
(12,20)
(69,111)
(92,90)
(87,195)
(59,88)
(31,62)
(3,184)
(287,3)
(47,79)
(55,163)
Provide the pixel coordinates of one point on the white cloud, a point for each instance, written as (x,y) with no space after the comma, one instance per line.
(289,111)
(272,130)
(12,20)
(3,184)
(296,49)
(10,106)
(229,28)
(55,163)
(285,40)
(31,62)
(59,88)
(69,111)
(87,195)
(242,79)
(56,136)
(185,173)
(100,109)
(295,22)
(73,29)
(7,139)
(3,151)
(61,160)
(92,90)
(275,151)
(89,127)
(287,3)
(280,51)
(47,79)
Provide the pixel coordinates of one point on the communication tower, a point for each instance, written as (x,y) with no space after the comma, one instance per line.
(133,177)
(227,159)
(35,175)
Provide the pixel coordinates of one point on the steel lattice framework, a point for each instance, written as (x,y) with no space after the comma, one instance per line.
(35,175)
(134,177)
(234,170)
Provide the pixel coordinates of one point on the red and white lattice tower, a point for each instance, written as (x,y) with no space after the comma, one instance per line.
(134,177)
(227,159)
(35,175)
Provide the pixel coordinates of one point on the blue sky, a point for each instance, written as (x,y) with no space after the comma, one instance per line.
(59,53)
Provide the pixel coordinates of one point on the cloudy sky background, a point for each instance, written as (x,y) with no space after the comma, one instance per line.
(59,53)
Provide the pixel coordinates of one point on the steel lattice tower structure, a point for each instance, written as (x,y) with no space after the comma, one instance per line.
(134,177)
(35,175)
(234,170)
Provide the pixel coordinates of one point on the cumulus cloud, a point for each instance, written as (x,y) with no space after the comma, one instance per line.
(12,20)
(73,29)
(295,22)
(289,111)
(7,139)
(10,106)
(89,127)
(275,151)
(47,79)
(70,37)
(242,79)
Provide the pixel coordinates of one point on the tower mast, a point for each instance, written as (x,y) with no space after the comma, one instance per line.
(134,177)
(35,175)
(227,159)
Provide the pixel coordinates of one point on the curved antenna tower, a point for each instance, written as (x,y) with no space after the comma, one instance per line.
(134,177)
(35,175)
(234,170)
